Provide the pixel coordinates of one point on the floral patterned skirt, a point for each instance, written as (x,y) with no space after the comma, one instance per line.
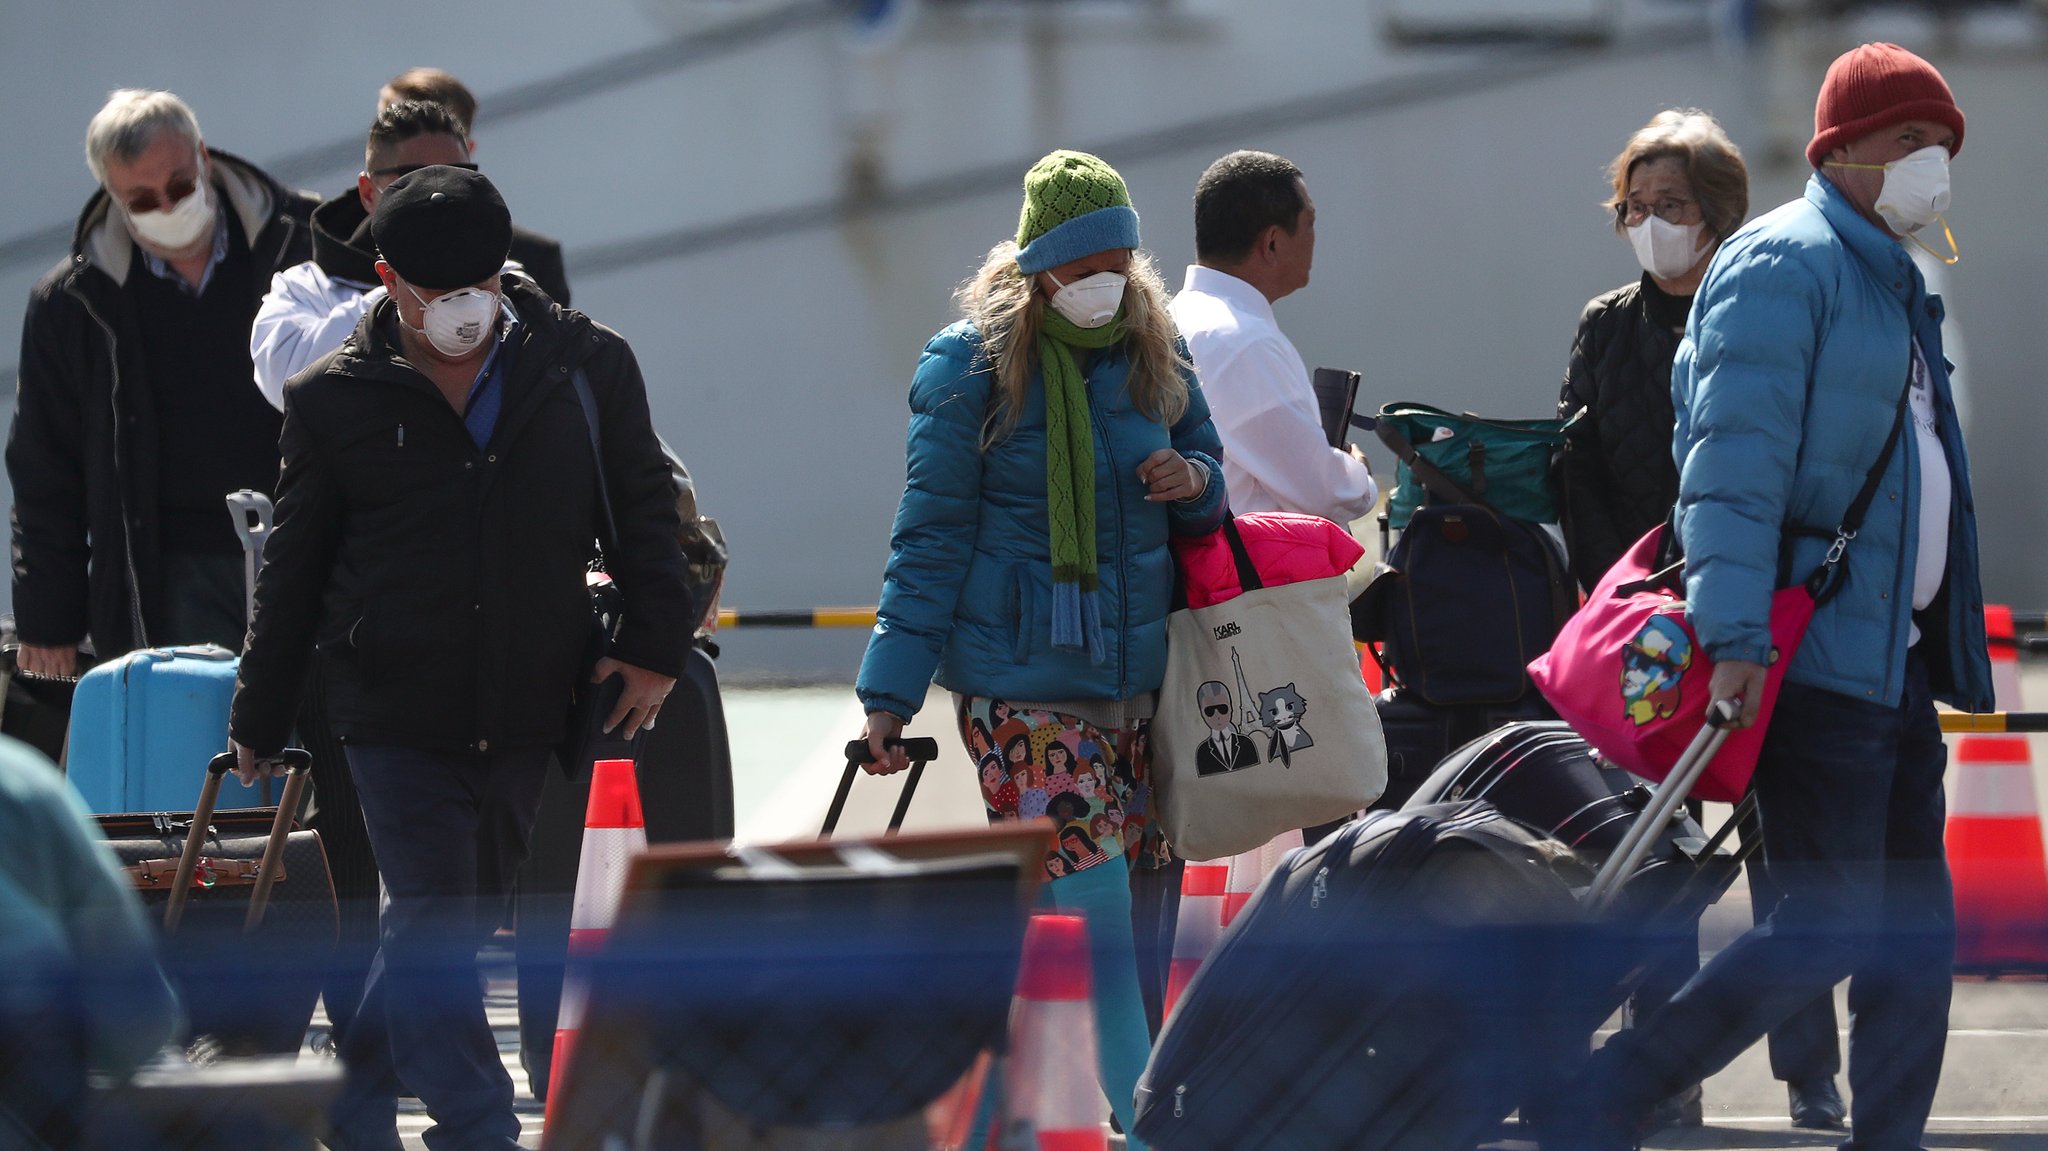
(1092,783)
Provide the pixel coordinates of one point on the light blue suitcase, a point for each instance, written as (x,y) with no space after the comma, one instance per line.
(144,726)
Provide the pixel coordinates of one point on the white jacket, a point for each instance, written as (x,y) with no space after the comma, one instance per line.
(305,315)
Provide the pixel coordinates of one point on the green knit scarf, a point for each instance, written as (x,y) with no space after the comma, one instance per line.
(1070,479)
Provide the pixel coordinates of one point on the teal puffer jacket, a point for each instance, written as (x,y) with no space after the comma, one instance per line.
(1785,387)
(968,591)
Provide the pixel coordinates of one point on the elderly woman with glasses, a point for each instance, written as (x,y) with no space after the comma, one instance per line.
(1680,188)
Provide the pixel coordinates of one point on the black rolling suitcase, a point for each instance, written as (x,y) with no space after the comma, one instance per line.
(685,770)
(1405,984)
(1545,777)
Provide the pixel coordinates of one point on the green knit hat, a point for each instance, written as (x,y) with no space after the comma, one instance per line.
(1074,205)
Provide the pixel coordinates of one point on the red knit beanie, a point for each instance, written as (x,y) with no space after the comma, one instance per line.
(1873,87)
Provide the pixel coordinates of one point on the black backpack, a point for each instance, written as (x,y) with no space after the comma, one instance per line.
(1467,597)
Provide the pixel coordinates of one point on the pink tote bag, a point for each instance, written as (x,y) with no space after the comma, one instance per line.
(1629,675)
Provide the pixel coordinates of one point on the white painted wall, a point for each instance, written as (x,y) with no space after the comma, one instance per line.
(1458,195)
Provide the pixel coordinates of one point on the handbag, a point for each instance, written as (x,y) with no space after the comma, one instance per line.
(1642,714)
(1505,463)
(1264,724)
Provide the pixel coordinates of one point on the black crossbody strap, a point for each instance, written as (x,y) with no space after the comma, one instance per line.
(588,402)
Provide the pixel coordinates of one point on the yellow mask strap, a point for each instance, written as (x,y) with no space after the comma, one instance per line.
(1953,255)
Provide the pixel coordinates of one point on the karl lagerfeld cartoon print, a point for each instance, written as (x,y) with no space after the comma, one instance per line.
(1225,749)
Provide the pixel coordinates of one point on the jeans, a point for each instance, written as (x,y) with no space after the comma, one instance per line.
(1807,1046)
(1851,798)
(449,830)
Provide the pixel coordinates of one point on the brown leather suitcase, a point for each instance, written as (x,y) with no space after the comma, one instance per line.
(249,943)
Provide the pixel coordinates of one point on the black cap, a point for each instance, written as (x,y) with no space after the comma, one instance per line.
(442,227)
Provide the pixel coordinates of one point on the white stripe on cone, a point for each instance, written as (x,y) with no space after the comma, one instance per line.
(1052,1083)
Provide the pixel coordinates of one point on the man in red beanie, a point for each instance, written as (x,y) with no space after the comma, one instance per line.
(1817,438)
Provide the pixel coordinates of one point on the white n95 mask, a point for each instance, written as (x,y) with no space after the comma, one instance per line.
(457,322)
(1090,301)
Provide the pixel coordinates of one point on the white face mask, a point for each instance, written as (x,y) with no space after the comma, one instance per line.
(179,227)
(1915,191)
(458,322)
(1666,251)
(1090,301)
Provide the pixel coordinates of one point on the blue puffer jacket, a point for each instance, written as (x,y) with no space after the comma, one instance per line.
(1786,385)
(968,591)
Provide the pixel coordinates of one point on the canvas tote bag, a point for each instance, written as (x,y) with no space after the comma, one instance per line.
(1264,723)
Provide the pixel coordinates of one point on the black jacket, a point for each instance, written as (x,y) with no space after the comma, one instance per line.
(343,248)
(442,584)
(1617,477)
(83,449)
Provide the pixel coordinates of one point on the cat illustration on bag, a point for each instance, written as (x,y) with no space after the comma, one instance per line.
(1280,710)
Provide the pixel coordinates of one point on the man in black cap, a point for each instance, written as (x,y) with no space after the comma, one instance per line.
(436,515)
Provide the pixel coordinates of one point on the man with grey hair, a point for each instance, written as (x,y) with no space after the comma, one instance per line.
(134,416)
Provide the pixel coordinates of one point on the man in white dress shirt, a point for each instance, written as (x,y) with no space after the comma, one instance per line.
(1255,237)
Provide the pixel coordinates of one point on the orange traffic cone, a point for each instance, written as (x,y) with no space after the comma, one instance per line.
(1052,1085)
(613,833)
(1370,669)
(1994,833)
(1251,868)
(1204,896)
(1211,895)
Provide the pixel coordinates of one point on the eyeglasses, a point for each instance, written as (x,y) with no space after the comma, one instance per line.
(398,170)
(1670,209)
(1217,709)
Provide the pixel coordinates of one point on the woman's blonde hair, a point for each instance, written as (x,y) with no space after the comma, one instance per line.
(1712,163)
(1005,305)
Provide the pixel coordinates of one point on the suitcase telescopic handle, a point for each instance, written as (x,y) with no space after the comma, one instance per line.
(297,763)
(919,751)
(1628,854)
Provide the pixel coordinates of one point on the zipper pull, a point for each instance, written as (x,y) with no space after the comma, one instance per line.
(1179,1094)
(401,435)
(1319,888)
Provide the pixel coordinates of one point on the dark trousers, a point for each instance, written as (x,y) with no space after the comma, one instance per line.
(1155,915)
(1851,798)
(1804,1048)
(449,830)
(1807,1046)
(205,599)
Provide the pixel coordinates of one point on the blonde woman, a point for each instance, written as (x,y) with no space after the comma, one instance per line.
(1057,438)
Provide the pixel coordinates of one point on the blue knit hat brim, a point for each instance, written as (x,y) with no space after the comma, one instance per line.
(1098,231)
